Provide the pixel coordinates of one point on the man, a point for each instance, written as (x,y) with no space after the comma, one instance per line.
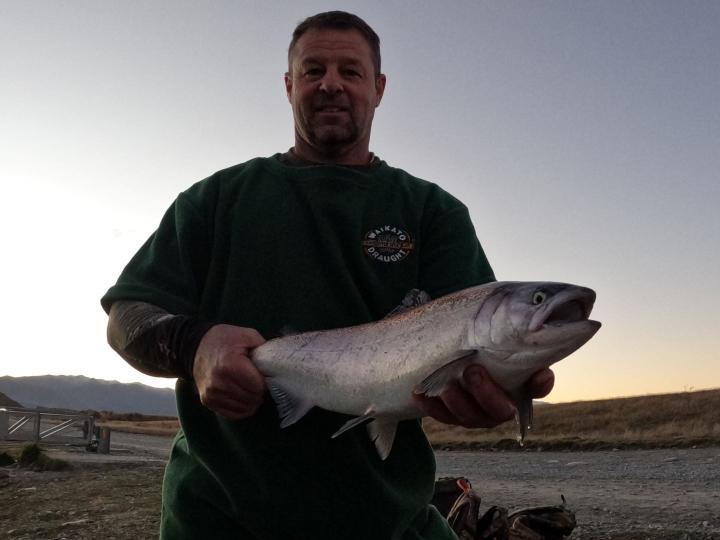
(324,236)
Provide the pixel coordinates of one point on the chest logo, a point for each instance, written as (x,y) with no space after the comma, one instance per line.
(387,244)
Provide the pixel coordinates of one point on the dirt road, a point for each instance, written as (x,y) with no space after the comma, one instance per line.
(625,495)
(654,494)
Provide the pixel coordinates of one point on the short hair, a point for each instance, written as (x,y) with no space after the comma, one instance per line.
(338,20)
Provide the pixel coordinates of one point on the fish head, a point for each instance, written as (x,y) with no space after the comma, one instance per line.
(534,323)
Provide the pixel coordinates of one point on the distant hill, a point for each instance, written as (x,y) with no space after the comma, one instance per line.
(7,402)
(83,393)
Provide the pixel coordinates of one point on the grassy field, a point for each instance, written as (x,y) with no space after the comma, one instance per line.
(668,420)
(167,427)
(683,419)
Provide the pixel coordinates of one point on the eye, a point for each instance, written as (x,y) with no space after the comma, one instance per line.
(313,72)
(539,297)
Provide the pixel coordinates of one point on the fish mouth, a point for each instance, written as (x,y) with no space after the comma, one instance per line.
(565,308)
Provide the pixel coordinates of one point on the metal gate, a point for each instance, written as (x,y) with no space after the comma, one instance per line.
(38,425)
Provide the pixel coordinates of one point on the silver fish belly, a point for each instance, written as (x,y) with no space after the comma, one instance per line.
(371,370)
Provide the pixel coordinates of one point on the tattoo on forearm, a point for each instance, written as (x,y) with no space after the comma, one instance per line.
(154,341)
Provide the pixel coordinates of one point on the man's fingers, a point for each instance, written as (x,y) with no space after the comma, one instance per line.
(456,406)
(463,406)
(232,413)
(238,392)
(249,337)
(230,393)
(236,374)
(541,383)
(480,402)
(249,378)
(489,396)
(237,402)
(227,380)
(435,408)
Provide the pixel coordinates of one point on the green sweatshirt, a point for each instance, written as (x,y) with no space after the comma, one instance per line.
(274,247)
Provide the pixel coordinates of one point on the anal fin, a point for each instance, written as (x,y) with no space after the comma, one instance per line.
(382,433)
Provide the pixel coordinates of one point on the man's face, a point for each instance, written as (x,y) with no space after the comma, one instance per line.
(333,90)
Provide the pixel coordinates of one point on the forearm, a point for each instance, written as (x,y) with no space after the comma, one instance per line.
(154,341)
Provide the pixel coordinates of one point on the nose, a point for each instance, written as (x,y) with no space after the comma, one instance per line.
(331,82)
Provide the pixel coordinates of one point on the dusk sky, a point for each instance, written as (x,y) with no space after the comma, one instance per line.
(583,136)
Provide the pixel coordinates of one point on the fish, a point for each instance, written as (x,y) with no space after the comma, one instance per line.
(370,371)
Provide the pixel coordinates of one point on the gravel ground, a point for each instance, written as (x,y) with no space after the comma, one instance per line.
(653,494)
(624,495)
(113,497)
(114,501)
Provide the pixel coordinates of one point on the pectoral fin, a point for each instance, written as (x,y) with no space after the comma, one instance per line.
(435,383)
(290,408)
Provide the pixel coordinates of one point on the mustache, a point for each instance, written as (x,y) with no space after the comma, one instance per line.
(324,101)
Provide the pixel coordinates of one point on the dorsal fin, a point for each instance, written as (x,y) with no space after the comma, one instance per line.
(413,299)
(288,330)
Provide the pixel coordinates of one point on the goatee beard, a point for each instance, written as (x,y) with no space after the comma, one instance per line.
(333,143)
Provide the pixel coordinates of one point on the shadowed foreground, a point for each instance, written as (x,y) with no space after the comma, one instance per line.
(109,501)
(634,494)
(622,495)
(668,493)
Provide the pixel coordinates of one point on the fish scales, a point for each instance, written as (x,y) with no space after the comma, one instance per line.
(373,359)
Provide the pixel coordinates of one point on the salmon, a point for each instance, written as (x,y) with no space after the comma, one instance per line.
(370,371)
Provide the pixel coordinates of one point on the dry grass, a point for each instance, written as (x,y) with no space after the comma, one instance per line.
(682,419)
(130,417)
(164,428)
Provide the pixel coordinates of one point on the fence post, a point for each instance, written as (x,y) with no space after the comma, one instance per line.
(4,424)
(37,426)
(88,428)
(104,441)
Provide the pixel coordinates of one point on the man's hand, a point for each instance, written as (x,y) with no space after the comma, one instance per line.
(227,380)
(484,404)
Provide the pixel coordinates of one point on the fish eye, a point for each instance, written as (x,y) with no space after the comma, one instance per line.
(539,297)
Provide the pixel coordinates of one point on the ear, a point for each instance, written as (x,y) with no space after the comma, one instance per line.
(288,84)
(380,81)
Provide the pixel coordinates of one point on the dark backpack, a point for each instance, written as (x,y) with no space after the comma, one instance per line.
(455,499)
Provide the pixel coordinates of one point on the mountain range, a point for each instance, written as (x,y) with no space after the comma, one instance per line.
(7,402)
(83,393)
